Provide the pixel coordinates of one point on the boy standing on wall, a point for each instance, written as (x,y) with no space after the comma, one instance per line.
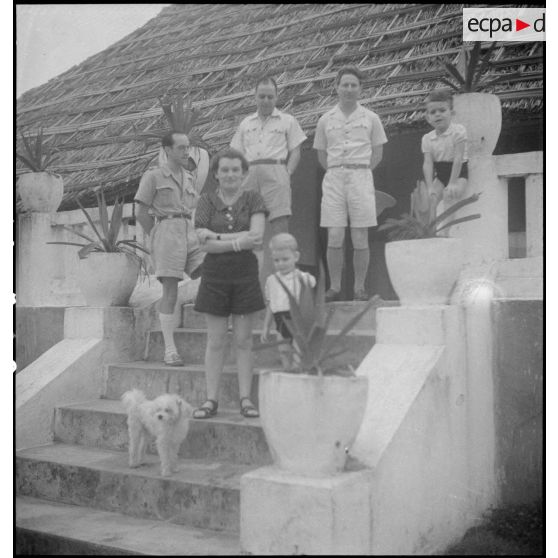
(445,151)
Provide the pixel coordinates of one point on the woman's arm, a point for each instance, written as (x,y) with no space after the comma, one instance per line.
(207,234)
(264,337)
(234,242)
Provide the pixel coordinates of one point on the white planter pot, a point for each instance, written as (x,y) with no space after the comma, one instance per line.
(41,191)
(424,271)
(107,279)
(308,421)
(481,114)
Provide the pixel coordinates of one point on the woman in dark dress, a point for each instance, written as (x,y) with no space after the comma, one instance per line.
(230,224)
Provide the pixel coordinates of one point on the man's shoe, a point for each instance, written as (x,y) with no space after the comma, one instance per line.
(332,295)
(173,359)
(361,294)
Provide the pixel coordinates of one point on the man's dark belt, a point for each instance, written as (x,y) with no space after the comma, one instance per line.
(269,162)
(349,166)
(158,219)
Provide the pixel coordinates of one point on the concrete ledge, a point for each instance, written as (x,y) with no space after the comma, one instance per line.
(73,370)
(412,325)
(519,164)
(420,433)
(284,514)
(64,373)
(37,330)
(396,374)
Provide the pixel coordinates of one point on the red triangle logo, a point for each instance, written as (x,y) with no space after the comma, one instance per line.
(519,25)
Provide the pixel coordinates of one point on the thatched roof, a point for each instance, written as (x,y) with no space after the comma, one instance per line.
(99,114)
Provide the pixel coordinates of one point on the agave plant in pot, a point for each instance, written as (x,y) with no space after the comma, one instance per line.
(312,413)
(480,112)
(108,268)
(40,190)
(423,265)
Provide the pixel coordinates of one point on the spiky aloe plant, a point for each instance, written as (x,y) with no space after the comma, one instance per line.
(409,227)
(107,235)
(35,155)
(309,325)
(469,73)
(181,117)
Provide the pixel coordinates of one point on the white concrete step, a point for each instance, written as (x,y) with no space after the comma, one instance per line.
(226,437)
(343,312)
(203,493)
(52,528)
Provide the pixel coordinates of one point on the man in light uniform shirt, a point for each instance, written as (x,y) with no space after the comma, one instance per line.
(166,198)
(270,140)
(349,140)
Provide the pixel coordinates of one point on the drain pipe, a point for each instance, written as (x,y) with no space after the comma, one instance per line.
(477,298)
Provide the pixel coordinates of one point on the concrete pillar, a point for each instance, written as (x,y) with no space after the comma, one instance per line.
(284,514)
(36,260)
(485,239)
(534,214)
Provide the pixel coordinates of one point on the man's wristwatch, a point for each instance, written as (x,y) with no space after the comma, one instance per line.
(218,237)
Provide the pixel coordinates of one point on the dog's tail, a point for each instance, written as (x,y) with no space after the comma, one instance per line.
(133,398)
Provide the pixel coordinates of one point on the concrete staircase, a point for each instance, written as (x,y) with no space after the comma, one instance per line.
(78,495)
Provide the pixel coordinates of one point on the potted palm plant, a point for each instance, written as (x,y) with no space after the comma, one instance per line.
(423,265)
(108,267)
(182,117)
(311,413)
(478,111)
(40,190)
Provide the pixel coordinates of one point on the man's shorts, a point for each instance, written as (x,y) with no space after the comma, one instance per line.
(442,171)
(175,249)
(224,299)
(348,198)
(274,184)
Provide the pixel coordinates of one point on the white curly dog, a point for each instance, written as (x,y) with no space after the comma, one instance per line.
(166,418)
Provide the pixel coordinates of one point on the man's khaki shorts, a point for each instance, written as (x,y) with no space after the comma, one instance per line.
(348,198)
(175,249)
(274,184)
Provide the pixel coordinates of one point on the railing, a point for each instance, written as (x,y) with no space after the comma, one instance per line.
(529,167)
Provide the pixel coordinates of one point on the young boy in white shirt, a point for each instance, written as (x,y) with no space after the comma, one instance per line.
(285,255)
(445,150)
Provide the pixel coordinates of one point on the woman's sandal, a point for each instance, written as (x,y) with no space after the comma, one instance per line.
(205,410)
(248,410)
